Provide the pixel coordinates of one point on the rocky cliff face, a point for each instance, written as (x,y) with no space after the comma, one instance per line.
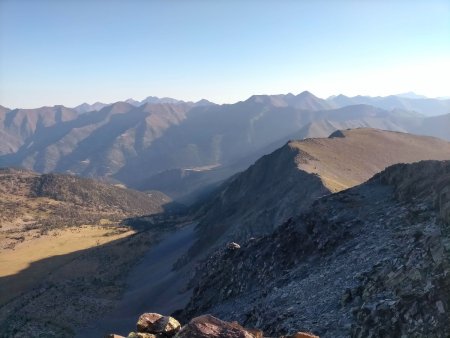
(371,261)
(257,200)
(282,184)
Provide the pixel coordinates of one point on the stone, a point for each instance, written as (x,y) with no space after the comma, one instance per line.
(440,306)
(158,324)
(209,326)
(302,335)
(167,325)
(255,333)
(346,297)
(437,252)
(142,335)
(233,246)
(146,321)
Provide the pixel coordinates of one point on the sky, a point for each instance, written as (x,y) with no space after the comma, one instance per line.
(74,51)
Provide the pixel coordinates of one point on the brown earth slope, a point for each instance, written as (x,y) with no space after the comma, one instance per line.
(285,182)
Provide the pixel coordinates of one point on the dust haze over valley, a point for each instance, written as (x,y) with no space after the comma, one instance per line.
(278,169)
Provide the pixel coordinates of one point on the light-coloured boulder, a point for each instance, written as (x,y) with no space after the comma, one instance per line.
(157,324)
(141,335)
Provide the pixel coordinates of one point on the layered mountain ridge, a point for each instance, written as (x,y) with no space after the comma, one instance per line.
(162,135)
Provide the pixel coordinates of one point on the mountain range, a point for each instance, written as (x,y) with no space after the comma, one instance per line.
(86,107)
(154,142)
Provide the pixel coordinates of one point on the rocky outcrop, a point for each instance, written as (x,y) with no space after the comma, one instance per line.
(371,261)
(154,325)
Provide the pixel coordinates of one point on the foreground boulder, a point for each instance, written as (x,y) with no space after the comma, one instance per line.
(154,325)
(143,335)
(301,335)
(209,326)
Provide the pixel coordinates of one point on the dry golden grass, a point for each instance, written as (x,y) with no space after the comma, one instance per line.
(57,242)
(343,162)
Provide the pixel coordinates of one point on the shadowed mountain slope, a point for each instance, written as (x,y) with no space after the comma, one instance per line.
(97,143)
(371,261)
(285,182)
(17,125)
(438,126)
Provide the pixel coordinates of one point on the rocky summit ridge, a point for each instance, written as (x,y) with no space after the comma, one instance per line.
(370,261)
(286,182)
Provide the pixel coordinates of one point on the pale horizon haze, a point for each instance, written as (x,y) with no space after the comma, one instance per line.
(70,52)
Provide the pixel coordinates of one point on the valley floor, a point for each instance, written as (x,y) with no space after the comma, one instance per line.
(83,279)
(151,286)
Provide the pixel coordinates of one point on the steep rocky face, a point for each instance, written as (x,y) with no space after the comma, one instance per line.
(285,182)
(257,200)
(369,261)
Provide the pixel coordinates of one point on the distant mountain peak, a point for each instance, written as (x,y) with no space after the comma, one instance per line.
(154,99)
(133,102)
(204,102)
(306,93)
(86,107)
(411,95)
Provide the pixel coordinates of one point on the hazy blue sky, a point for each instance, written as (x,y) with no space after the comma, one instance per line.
(69,52)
